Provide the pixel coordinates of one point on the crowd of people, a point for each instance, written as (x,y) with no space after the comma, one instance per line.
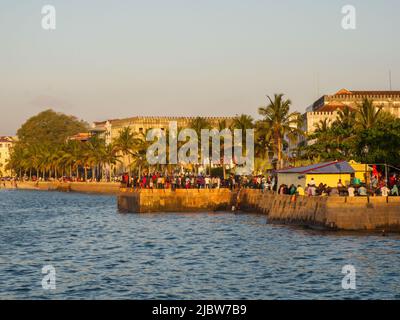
(158,180)
(376,186)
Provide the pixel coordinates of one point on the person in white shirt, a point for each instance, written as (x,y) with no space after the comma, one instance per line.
(207,182)
(351,191)
(385,191)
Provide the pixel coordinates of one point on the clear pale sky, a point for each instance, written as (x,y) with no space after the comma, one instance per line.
(120,58)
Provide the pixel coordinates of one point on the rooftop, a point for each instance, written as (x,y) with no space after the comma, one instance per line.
(367,92)
(320,104)
(321,168)
(333,106)
(6,139)
(82,136)
(159,118)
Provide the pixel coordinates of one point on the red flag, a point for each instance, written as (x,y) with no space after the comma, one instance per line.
(374,171)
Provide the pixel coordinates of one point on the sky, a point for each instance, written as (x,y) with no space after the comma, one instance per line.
(120,58)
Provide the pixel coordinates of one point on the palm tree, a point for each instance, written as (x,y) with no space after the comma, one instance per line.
(68,157)
(263,141)
(281,122)
(95,150)
(243,122)
(45,160)
(17,161)
(197,124)
(367,114)
(346,118)
(322,127)
(110,158)
(139,159)
(125,143)
(223,124)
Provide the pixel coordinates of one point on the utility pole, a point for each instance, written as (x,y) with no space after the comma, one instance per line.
(386,174)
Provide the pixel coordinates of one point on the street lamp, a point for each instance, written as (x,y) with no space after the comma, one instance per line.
(294,155)
(365,152)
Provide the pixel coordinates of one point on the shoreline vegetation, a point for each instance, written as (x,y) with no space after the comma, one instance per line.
(43,148)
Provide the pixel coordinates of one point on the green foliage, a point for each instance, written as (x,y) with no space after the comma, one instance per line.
(44,150)
(278,124)
(383,142)
(353,133)
(243,122)
(50,127)
(198,123)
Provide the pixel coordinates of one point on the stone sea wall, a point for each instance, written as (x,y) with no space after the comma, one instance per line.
(337,213)
(180,200)
(90,187)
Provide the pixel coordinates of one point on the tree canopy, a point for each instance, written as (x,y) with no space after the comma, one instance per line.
(366,134)
(50,127)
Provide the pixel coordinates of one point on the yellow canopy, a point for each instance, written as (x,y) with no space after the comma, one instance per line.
(359,167)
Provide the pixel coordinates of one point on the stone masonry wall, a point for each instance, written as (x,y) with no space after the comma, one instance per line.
(180,200)
(90,187)
(344,213)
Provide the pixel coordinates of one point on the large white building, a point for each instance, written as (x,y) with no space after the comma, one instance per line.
(110,129)
(328,106)
(6,144)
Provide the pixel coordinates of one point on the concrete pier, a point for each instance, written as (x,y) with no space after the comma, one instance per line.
(83,187)
(180,200)
(334,213)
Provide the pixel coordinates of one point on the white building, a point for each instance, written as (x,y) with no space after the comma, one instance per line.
(6,144)
(328,106)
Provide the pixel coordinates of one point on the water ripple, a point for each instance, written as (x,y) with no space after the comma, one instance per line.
(100,254)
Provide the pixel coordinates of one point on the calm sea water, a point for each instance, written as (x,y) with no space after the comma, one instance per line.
(100,254)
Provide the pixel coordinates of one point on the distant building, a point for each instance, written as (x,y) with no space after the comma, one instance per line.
(6,143)
(328,106)
(110,129)
(82,136)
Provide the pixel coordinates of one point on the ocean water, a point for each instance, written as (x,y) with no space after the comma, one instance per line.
(98,253)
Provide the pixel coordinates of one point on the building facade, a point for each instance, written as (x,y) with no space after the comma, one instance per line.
(328,106)
(110,129)
(6,144)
